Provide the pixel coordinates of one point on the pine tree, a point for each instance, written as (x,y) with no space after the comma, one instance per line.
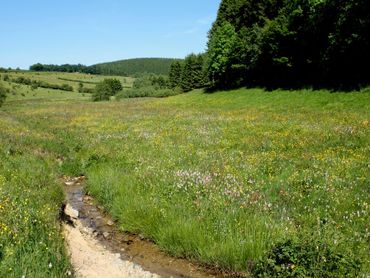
(192,75)
(175,74)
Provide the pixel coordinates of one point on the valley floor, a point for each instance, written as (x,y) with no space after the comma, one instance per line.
(232,179)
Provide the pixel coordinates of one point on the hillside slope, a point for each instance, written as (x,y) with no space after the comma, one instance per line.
(135,66)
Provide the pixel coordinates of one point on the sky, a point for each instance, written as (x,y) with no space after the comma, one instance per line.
(95,31)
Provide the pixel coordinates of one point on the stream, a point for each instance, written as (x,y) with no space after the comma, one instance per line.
(88,226)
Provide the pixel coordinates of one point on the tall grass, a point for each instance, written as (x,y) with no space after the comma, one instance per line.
(30,196)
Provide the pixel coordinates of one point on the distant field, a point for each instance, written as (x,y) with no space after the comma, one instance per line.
(218,178)
(72,79)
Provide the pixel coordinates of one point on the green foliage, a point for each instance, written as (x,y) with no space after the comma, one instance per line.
(221,48)
(3,93)
(175,74)
(102,92)
(63,68)
(6,77)
(80,87)
(193,75)
(42,84)
(34,86)
(278,43)
(31,244)
(307,257)
(114,84)
(149,86)
(133,67)
(105,89)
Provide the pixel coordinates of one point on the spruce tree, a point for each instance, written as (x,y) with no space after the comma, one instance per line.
(175,74)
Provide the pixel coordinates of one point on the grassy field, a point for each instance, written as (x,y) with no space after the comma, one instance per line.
(73,79)
(229,179)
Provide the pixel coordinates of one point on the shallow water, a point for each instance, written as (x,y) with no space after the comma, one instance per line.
(131,247)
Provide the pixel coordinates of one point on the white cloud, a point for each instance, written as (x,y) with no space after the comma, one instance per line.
(205,20)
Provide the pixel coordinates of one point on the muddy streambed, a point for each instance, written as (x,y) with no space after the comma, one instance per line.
(95,242)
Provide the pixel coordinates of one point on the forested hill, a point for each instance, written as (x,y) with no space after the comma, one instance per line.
(135,66)
(127,67)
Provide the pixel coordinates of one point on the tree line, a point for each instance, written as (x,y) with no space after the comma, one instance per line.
(188,74)
(283,43)
(64,68)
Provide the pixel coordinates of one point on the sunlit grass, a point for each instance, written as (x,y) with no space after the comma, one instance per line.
(219,178)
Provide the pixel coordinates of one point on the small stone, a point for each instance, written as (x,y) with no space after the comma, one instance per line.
(86,231)
(71,212)
(87,198)
(110,223)
(105,234)
(69,183)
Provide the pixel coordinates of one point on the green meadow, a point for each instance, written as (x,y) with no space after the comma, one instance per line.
(227,179)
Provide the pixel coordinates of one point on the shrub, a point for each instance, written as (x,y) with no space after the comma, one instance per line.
(66,87)
(34,86)
(80,87)
(101,92)
(107,88)
(307,258)
(6,77)
(3,92)
(114,84)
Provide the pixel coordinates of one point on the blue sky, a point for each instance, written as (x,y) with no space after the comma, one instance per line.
(93,31)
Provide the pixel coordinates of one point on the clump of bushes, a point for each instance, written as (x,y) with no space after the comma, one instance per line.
(150,86)
(3,92)
(6,77)
(307,258)
(105,89)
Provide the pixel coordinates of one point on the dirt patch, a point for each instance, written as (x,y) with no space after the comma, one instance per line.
(90,259)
